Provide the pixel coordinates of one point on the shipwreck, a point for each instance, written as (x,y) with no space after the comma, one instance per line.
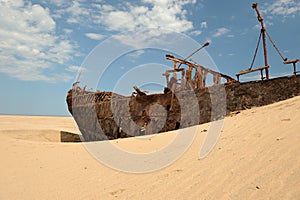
(107,115)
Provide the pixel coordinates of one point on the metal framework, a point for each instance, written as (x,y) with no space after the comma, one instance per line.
(199,79)
(294,65)
(263,37)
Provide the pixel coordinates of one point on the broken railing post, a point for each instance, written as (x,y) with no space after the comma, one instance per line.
(294,65)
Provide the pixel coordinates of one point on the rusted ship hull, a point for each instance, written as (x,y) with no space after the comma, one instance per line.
(106,115)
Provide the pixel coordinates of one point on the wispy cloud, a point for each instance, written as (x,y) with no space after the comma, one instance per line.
(196,32)
(68,31)
(158,16)
(220,32)
(58,2)
(203,24)
(168,14)
(126,16)
(74,68)
(77,12)
(283,8)
(94,36)
(29,44)
(136,54)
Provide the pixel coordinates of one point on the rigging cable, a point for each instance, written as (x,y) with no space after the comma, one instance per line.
(255,53)
(284,59)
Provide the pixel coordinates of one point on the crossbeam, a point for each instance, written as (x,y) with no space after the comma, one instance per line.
(199,79)
(294,64)
(247,71)
(228,78)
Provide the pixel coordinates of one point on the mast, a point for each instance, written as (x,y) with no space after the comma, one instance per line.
(263,32)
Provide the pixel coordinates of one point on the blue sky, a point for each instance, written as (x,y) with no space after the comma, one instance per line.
(43,43)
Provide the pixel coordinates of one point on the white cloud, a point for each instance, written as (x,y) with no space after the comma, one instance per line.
(75,68)
(125,16)
(220,32)
(58,2)
(204,24)
(77,11)
(283,8)
(157,16)
(15,3)
(196,32)
(29,45)
(68,31)
(94,36)
(74,12)
(168,14)
(136,54)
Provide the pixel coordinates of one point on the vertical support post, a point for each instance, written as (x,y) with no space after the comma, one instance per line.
(175,65)
(198,78)
(190,74)
(294,62)
(204,78)
(265,52)
(217,79)
(182,80)
(263,32)
(167,78)
(200,81)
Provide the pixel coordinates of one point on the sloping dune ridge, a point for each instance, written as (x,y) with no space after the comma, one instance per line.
(256,157)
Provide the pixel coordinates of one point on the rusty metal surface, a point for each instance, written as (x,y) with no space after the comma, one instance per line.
(294,62)
(263,32)
(199,79)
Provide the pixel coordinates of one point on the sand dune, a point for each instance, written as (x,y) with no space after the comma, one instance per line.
(256,157)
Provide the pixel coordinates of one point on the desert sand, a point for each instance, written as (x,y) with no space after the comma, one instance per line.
(256,157)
